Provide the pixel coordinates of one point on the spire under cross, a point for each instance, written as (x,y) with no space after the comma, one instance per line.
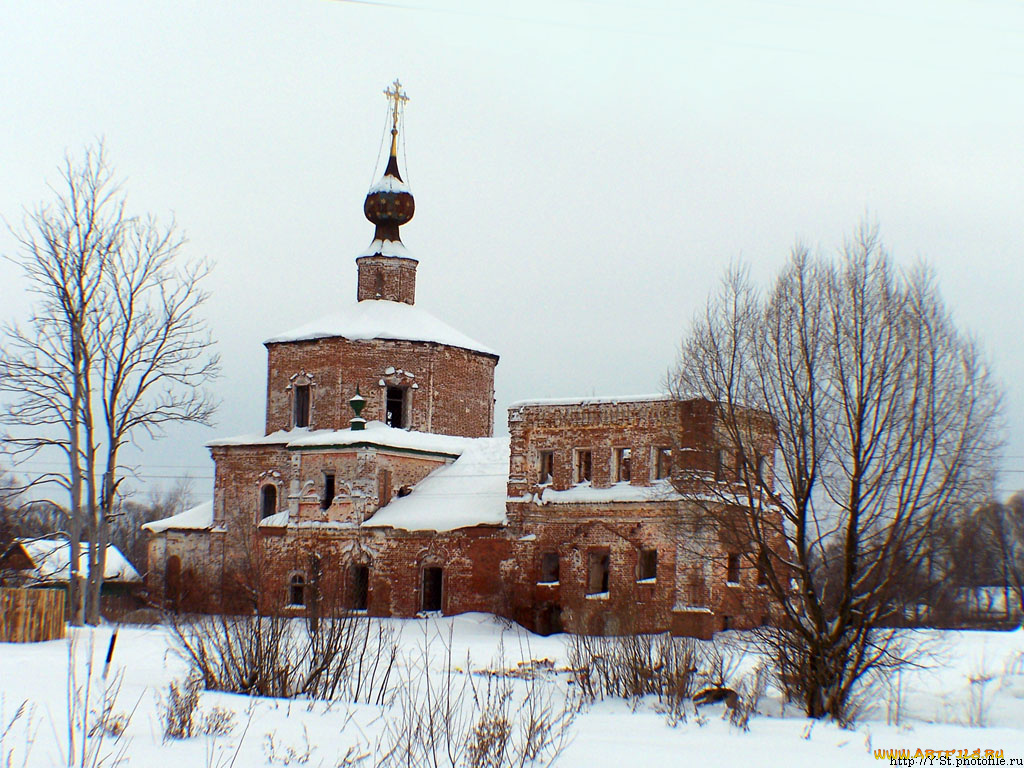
(397,97)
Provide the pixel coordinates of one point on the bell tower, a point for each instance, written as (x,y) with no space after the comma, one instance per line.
(386,270)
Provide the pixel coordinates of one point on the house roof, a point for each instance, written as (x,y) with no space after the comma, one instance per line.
(378,319)
(51,561)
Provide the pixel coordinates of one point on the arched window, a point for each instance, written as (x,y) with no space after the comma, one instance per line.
(268,500)
(297,590)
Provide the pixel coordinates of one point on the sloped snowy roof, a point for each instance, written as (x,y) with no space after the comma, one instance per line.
(53,556)
(376,433)
(199,517)
(377,319)
(471,491)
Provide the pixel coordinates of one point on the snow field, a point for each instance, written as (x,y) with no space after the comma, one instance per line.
(935,705)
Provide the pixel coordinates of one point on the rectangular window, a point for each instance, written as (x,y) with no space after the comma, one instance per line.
(620,470)
(733,568)
(662,463)
(384,492)
(395,407)
(360,587)
(549,568)
(581,470)
(648,565)
(328,496)
(597,571)
(301,405)
(545,467)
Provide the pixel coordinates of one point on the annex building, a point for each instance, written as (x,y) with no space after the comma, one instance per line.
(377,485)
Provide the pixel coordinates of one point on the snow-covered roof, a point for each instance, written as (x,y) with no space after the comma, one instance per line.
(53,556)
(471,491)
(376,433)
(199,518)
(394,248)
(377,319)
(585,493)
(598,400)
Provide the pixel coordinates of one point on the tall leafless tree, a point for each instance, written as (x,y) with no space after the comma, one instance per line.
(886,418)
(115,347)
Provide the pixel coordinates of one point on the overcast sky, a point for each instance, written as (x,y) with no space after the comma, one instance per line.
(584,171)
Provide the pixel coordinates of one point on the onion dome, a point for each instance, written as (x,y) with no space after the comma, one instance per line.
(389,204)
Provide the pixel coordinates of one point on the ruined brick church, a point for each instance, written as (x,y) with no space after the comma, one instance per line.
(377,485)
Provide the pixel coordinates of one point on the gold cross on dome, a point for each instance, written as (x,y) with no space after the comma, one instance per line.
(397,97)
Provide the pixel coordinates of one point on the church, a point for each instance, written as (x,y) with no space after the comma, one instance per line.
(377,484)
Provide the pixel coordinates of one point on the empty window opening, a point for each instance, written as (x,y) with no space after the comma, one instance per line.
(648,565)
(378,282)
(582,473)
(395,408)
(360,587)
(726,622)
(301,405)
(297,590)
(268,500)
(662,463)
(762,573)
(722,464)
(328,496)
(621,469)
(597,572)
(433,581)
(763,472)
(733,568)
(546,467)
(405,490)
(549,568)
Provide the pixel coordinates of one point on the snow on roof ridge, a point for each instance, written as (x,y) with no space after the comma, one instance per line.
(375,433)
(380,319)
(592,400)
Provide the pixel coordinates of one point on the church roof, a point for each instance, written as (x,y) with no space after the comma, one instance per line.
(197,518)
(375,319)
(375,433)
(469,492)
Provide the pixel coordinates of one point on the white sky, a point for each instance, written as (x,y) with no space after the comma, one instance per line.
(584,171)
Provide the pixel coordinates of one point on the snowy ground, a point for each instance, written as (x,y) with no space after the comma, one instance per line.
(938,705)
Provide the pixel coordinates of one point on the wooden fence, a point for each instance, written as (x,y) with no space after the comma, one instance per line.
(31,615)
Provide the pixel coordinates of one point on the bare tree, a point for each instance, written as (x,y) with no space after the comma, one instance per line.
(114,347)
(885,416)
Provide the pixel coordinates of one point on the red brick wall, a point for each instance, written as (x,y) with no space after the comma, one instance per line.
(451,390)
(388,278)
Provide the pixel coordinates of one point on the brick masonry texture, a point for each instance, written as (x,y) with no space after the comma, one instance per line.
(450,389)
